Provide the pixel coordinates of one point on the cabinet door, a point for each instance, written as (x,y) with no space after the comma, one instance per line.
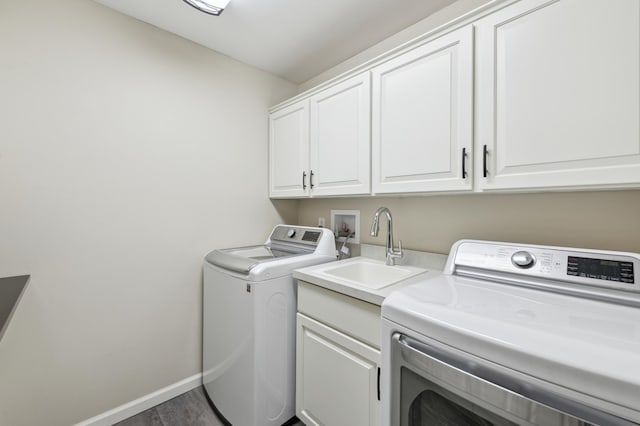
(336,377)
(340,138)
(422,107)
(288,151)
(558,95)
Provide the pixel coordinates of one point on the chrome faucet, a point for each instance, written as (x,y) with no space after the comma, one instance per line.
(392,254)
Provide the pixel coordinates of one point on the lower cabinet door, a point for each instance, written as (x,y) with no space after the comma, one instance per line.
(336,377)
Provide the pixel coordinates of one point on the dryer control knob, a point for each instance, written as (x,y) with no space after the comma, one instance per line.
(523,259)
(291,233)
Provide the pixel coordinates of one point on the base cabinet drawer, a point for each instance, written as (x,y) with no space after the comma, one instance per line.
(337,377)
(346,314)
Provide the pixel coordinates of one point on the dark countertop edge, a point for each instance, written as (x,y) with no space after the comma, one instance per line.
(7,321)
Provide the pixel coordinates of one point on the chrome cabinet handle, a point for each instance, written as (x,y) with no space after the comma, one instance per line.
(304,180)
(311,179)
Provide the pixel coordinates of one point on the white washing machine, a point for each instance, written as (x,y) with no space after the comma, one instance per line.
(248,362)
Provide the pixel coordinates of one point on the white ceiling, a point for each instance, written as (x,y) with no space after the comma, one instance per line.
(294,39)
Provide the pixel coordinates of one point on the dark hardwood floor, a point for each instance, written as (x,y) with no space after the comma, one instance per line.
(188,409)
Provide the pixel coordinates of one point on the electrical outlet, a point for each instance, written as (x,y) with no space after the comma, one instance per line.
(321,222)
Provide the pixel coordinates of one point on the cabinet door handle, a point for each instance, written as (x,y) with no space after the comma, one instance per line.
(485,153)
(311,179)
(464,164)
(304,180)
(378,383)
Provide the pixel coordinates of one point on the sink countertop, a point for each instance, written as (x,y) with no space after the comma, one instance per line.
(11,290)
(432,263)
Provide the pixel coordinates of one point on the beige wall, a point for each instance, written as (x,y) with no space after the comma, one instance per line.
(126,153)
(607,220)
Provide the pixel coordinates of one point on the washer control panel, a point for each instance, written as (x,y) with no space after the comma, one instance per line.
(294,234)
(617,270)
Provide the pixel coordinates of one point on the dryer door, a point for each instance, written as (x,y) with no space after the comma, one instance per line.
(437,387)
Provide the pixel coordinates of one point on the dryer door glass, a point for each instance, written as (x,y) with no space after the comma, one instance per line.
(430,404)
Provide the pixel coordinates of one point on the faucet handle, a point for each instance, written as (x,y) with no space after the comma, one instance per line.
(397,254)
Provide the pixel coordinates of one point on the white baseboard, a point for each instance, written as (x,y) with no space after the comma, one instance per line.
(136,406)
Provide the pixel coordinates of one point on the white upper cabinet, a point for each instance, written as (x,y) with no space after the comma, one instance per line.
(532,96)
(340,141)
(289,151)
(422,112)
(558,95)
(321,145)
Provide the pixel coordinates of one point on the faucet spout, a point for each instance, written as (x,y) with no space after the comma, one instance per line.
(392,253)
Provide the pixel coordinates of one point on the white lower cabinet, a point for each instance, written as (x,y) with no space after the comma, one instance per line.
(337,374)
(337,377)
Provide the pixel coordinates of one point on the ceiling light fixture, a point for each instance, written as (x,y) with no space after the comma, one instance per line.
(212,7)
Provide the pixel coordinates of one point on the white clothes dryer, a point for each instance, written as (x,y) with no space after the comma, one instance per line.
(249,317)
(515,334)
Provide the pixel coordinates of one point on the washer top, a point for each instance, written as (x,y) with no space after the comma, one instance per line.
(287,248)
(564,331)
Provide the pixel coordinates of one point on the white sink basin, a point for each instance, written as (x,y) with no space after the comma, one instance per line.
(371,273)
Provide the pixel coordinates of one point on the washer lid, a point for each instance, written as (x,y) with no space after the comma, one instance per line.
(590,346)
(244,259)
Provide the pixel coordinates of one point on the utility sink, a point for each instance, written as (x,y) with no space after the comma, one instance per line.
(370,273)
